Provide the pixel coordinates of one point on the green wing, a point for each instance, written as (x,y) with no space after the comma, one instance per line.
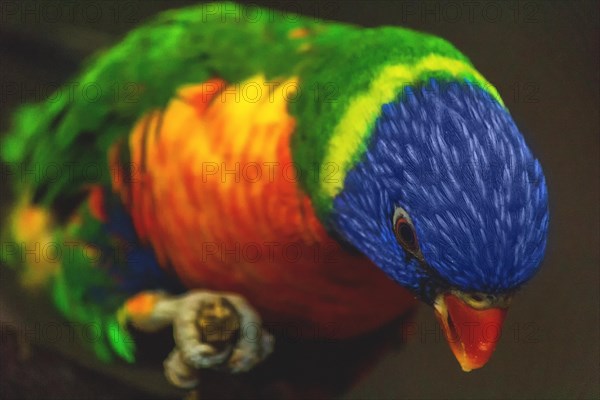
(335,62)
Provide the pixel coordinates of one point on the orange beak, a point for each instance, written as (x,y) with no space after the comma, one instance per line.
(471,333)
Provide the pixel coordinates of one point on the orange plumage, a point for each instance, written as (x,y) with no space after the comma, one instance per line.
(214,193)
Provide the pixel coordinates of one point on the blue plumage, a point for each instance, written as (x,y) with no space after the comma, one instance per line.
(133,264)
(452,157)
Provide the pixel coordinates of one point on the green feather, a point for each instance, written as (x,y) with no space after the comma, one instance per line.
(336,65)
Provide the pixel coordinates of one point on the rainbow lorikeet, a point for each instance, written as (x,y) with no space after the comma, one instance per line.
(280,169)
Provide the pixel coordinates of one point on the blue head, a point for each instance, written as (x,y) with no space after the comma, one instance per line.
(447,198)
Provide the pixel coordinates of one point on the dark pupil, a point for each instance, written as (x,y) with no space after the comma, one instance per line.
(406,234)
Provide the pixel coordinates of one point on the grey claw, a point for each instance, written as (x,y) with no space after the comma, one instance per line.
(179,373)
(195,344)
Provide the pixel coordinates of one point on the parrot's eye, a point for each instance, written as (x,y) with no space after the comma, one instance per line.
(405,232)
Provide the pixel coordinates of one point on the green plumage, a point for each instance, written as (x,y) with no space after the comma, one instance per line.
(335,64)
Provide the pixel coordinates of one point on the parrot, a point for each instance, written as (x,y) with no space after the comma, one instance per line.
(236,165)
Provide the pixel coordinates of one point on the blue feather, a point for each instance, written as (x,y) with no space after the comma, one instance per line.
(135,267)
(453,158)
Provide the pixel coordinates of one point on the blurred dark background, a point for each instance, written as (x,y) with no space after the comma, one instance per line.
(543,56)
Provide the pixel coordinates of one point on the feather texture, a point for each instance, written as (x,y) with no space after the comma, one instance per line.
(368,119)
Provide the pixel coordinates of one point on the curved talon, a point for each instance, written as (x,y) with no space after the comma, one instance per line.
(244,358)
(179,373)
(211,330)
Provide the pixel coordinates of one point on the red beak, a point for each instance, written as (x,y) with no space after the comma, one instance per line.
(471,333)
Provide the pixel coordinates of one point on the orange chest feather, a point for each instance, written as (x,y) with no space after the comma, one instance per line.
(216,195)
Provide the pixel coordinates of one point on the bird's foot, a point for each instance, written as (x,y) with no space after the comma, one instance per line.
(211,329)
